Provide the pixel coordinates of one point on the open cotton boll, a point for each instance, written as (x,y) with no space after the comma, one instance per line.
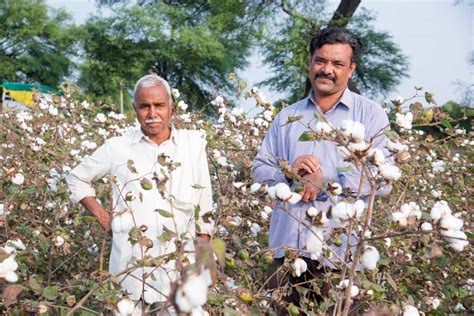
(312,211)
(400,218)
(409,310)
(358,208)
(396,146)
(193,293)
(267,209)
(450,222)
(199,311)
(370,257)
(377,156)
(314,242)
(342,211)
(335,188)
(404,120)
(255,187)
(18,179)
(294,198)
(322,128)
(457,239)
(354,289)
(440,208)
(358,147)
(151,295)
(426,226)
(125,307)
(255,229)
(353,130)
(300,266)
(16,244)
(11,276)
(283,191)
(272,192)
(390,172)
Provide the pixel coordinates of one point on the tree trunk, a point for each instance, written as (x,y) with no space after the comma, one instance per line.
(341,17)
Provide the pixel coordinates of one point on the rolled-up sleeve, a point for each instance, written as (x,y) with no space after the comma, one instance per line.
(265,166)
(91,168)
(375,126)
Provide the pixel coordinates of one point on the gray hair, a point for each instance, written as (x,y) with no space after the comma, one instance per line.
(151,81)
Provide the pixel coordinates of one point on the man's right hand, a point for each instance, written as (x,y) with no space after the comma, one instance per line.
(102,216)
(306,164)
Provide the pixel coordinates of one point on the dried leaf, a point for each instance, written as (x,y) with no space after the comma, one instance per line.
(131,166)
(11,292)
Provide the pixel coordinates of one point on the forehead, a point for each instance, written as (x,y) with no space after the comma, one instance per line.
(337,51)
(153,93)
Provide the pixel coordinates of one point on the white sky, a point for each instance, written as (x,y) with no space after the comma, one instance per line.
(436,35)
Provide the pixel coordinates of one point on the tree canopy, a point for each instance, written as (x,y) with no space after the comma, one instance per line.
(192,44)
(35,44)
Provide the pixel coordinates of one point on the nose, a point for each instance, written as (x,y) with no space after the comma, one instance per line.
(153,111)
(327,68)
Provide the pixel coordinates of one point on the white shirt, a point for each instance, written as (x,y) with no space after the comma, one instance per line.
(188,186)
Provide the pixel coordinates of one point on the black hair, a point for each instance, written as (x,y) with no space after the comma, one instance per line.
(335,35)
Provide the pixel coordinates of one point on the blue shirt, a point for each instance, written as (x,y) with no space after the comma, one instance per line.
(281,142)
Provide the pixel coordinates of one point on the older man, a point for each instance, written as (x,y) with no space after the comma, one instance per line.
(332,62)
(160,177)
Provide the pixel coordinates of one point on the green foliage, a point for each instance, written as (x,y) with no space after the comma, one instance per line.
(35,46)
(379,70)
(193,45)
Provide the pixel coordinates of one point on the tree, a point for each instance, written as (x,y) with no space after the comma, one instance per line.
(379,70)
(192,44)
(34,46)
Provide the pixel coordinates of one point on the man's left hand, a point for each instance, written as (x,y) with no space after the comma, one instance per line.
(312,186)
(203,238)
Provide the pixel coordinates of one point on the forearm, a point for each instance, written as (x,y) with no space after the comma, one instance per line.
(102,215)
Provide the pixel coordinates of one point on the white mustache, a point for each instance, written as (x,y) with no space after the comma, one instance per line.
(156,120)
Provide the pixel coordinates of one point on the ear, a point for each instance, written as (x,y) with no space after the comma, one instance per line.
(352,68)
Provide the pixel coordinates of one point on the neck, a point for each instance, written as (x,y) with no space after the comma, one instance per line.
(161,137)
(327,102)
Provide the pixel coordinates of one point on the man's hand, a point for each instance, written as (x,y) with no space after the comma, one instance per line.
(306,164)
(203,238)
(312,186)
(102,216)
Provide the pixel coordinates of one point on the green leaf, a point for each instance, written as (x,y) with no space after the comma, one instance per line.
(394,137)
(197,186)
(197,211)
(346,169)
(35,285)
(320,117)
(51,292)
(307,136)
(292,119)
(215,299)
(218,245)
(164,213)
(446,123)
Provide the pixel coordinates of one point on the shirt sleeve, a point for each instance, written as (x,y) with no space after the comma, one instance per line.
(265,166)
(205,194)
(375,126)
(91,168)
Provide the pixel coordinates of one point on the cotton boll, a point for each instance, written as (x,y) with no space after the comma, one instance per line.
(322,128)
(272,192)
(199,311)
(400,218)
(283,191)
(370,258)
(341,211)
(267,209)
(8,264)
(314,242)
(358,207)
(125,307)
(409,310)
(127,222)
(294,198)
(16,243)
(11,277)
(404,120)
(426,227)
(439,209)
(390,172)
(435,303)
(377,156)
(354,289)
(450,222)
(255,229)
(458,239)
(18,179)
(222,161)
(335,188)
(58,241)
(255,187)
(300,266)
(312,212)
(358,147)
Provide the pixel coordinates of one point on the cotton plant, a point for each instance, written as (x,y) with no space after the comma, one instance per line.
(191,294)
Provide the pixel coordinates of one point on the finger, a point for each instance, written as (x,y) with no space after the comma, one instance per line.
(306,195)
(312,164)
(313,195)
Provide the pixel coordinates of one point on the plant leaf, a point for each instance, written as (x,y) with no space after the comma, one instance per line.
(307,136)
(292,119)
(164,213)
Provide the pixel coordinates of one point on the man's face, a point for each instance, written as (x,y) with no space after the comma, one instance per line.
(330,68)
(153,108)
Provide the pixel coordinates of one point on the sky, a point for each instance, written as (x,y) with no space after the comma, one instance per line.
(436,35)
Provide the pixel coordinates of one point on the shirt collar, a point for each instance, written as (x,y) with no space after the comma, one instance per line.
(346,99)
(138,135)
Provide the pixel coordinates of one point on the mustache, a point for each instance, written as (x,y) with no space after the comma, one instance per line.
(156,120)
(324,76)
